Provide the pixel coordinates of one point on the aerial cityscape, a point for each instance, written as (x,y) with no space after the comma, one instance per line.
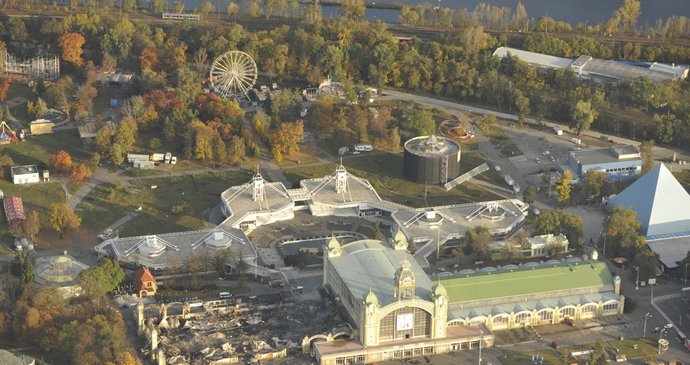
(340,182)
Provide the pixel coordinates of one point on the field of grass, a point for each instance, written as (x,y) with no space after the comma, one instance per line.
(37,150)
(553,356)
(194,193)
(37,197)
(384,172)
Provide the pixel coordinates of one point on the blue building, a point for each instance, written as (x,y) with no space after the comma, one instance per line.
(619,162)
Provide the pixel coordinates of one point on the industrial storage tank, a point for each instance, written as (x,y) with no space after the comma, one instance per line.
(431,160)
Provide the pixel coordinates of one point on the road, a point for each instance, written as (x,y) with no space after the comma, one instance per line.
(455,108)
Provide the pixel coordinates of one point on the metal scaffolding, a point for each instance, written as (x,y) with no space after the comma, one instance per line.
(44,67)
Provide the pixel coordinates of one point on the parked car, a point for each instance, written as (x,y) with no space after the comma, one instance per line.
(656,330)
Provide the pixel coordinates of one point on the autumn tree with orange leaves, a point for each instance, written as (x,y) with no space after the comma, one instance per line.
(148,59)
(80,172)
(70,46)
(60,162)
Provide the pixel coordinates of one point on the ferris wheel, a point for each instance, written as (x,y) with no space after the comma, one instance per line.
(233,73)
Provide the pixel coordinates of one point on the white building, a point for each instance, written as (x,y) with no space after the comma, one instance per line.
(25,174)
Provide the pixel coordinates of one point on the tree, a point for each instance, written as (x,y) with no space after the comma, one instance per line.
(5,162)
(563,188)
(624,18)
(420,122)
(157,6)
(4,88)
(155,143)
(148,59)
(622,230)
(116,154)
(206,8)
(60,162)
(63,219)
(529,195)
(479,241)
(520,19)
(647,152)
(102,278)
(559,222)
(647,262)
(104,139)
(582,117)
(28,228)
(233,9)
(285,139)
(71,48)
(24,268)
(80,172)
(353,9)
(473,39)
(236,150)
(594,183)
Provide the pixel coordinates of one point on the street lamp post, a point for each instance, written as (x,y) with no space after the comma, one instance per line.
(637,281)
(685,278)
(604,253)
(661,334)
(644,329)
(481,338)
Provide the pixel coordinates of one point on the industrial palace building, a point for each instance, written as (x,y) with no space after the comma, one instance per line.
(400,313)
(395,309)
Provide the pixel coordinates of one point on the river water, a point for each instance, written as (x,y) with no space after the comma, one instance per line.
(571,11)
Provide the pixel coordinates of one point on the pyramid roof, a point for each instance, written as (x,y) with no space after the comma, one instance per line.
(661,203)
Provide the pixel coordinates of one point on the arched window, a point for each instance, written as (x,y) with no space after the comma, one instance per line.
(523,318)
(405,323)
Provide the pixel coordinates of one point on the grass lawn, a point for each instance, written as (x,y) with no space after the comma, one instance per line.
(194,193)
(552,356)
(384,172)
(37,197)
(37,150)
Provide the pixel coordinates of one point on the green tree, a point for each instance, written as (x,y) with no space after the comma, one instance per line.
(155,143)
(622,230)
(420,122)
(104,139)
(594,183)
(647,152)
(116,154)
(232,10)
(563,188)
(157,6)
(582,117)
(24,268)
(206,8)
(624,18)
(101,279)
(479,241)
(353,9)
(529,195)
(520,19)
(647,262)
(559,222)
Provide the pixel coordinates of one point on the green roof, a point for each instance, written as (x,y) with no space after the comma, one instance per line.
(527,280)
